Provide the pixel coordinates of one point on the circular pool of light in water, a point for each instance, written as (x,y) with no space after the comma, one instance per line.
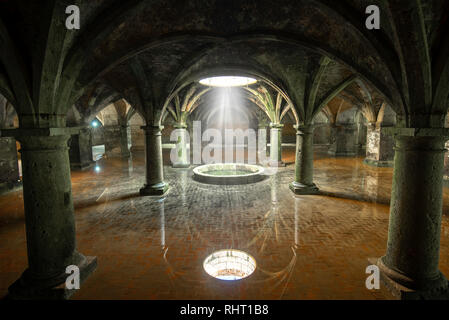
(229,265)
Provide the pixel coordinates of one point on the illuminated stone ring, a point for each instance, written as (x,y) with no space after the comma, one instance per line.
(229,265)
(229,173)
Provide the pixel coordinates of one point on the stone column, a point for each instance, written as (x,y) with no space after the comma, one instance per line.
(276,145)
(182,159)
(303,183)
(49,219)
(80,153)
(125,138)
(112,141)
(262,144)
(446,164)
(379,147)
(9,167)
(155,184)
(361,136)
(344,140)
(410,265)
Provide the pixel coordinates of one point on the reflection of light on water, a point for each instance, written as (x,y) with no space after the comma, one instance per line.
(269,171)
(162,213)
(229,265)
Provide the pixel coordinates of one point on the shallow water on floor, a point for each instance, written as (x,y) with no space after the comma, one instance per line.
(306,247)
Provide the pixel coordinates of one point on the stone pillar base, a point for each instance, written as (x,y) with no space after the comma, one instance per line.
(301,189)
(378,163)
(446,181)
(117,154)
(9,186)
(276,164)
(341,153)
(82,166)
(9,169)
(181,165)
(24,289)
(158,189)
(404,288)
(125,155)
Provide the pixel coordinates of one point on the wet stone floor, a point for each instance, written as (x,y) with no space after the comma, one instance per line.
(306,247)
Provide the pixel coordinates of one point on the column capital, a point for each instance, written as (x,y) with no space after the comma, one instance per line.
(43,143)
(180,126)
(427,144)
(372,125)
(40,132)
(50,120)
(85,129)
(276,125)
(304,129)
(153,130)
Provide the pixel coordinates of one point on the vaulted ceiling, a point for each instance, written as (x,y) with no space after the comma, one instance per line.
(146,51)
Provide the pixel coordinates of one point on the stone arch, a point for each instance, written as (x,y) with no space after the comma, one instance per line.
(232,70)
(337,16)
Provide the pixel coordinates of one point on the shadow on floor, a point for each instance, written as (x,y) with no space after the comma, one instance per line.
(354,196)
(81,205)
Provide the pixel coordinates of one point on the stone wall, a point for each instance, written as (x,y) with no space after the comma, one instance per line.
(137,133)
(361,137)
(166,133)
(113,137)
(446,162)
(80,152)
(343,140)
(288,131)
(9,168)
(98,136)
(137,138)
(322,134)
(116,140)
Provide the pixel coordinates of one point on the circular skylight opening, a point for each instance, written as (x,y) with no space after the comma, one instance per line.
(229,265)
(228,81)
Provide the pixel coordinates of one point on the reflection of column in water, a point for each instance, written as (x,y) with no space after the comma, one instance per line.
(162,216)
(356,170)
(130,165)
(274,194)
(274,204)
(296,222)
(262,146)
(184,183)
(371,186)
